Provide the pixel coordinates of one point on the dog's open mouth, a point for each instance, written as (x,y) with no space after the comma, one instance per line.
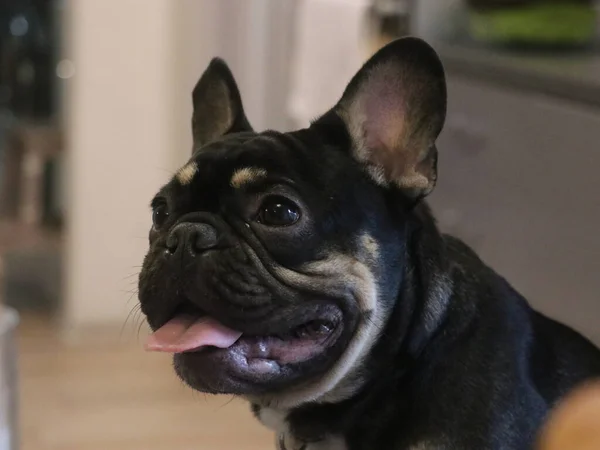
(192,331)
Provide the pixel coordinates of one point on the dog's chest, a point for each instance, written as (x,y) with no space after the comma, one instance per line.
(276,421)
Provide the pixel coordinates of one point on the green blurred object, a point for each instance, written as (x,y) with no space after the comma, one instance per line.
(544,24)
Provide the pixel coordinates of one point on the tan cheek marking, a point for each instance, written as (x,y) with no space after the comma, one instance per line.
(186,173)
(246,175)
(370,247)
(339,382)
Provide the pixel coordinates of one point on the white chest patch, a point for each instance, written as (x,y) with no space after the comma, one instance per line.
(275,419)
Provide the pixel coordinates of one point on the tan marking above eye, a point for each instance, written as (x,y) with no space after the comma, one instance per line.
(186,174)
(246,175)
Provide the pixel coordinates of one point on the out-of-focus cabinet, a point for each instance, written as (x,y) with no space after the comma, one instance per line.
(519,180)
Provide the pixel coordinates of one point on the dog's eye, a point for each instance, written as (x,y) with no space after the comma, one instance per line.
(160,214)
(278,212)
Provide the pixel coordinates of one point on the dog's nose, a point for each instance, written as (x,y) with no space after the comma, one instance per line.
(193,238)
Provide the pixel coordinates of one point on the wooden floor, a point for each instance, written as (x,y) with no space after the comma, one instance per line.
(103,392)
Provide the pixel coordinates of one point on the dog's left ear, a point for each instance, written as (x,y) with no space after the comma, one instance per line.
(218,106)
(394,109)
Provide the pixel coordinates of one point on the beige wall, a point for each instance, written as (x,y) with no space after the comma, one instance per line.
(195,40)
(127,113)
(126,134)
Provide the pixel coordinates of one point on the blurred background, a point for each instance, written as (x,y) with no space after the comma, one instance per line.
(95,115)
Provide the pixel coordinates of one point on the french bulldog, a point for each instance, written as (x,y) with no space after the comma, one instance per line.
(304,272)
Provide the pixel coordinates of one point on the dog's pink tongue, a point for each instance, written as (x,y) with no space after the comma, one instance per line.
(186,333)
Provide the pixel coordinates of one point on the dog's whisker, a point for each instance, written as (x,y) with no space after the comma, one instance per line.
(131,315)
(132,295)
(165,170)
(132,292)
(227,402)
(142,320)
(127,277)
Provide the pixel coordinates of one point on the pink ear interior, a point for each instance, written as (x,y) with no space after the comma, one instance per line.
(383,106)
(386,117)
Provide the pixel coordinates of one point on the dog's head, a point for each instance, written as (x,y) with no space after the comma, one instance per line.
(276,258)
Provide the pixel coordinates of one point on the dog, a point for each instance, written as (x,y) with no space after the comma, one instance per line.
(304,272)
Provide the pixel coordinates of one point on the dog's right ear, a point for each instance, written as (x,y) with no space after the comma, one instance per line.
(218,106)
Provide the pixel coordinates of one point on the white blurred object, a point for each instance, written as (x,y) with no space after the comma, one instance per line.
(330,46)
(8,388)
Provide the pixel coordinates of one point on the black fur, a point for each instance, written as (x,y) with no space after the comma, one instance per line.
(485,379)
(461,362)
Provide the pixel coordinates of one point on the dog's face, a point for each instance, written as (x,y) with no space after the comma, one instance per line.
(276,258)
